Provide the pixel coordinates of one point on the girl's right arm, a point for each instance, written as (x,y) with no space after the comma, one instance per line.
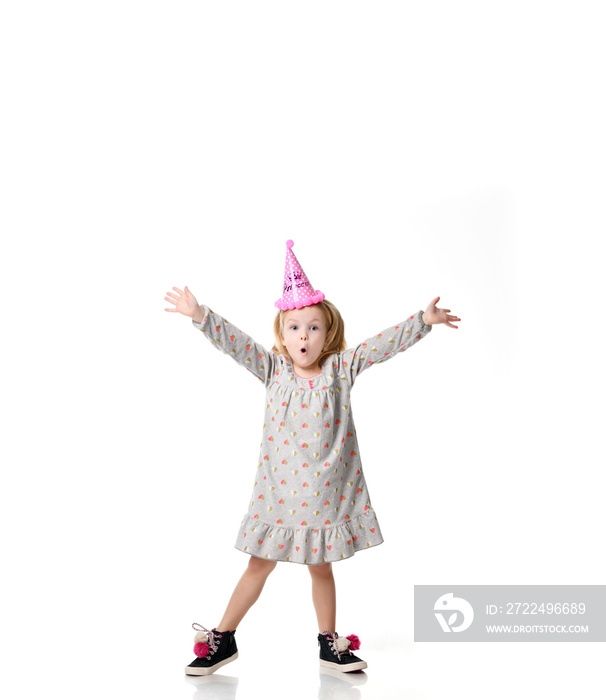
(225,336)
(238,345)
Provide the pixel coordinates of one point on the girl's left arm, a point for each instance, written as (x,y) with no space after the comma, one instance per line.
(382,347)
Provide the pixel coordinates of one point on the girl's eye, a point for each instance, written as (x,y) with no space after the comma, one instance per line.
(316,327)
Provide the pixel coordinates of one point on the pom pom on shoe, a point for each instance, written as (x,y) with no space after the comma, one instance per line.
(201,649)
(355,642)
(343,643)
(200,637)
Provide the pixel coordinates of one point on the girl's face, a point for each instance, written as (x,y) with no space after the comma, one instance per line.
(304,336)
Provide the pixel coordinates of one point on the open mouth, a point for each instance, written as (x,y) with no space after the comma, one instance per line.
(303,350)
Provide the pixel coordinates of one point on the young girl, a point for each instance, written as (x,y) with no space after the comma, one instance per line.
(310,503)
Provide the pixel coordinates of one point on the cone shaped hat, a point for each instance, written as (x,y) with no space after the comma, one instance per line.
(297,291)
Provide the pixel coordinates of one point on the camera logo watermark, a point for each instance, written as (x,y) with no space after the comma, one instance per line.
(453,614)
(510,613)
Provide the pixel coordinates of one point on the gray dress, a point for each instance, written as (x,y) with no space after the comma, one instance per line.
(309,503)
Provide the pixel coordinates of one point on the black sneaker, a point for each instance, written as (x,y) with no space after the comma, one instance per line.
(213,649)
(335,652)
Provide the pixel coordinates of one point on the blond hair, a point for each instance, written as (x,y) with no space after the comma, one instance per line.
(335,332)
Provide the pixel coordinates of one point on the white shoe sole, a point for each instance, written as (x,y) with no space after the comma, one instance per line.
(201,671)
(344,669)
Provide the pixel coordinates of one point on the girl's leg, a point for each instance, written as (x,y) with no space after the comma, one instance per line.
(324,596)
(246,592)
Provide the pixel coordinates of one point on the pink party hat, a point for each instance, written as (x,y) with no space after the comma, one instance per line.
(298,291)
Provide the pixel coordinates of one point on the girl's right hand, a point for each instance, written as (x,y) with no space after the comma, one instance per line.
(185,303)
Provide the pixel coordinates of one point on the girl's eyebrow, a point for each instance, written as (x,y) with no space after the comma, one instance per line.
(295,321)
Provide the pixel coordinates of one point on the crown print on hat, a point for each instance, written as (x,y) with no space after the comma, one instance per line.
(297,291)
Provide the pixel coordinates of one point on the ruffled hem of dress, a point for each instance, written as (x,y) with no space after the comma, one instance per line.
(310,545)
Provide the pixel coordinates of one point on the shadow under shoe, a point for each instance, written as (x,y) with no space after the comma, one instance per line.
(332,657)
(222,649)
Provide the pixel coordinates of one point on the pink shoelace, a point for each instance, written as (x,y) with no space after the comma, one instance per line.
(334,636)
(212,643)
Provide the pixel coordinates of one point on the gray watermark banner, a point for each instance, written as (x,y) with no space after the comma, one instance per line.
(510,613)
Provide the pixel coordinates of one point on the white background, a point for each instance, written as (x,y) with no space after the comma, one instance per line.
(410,150)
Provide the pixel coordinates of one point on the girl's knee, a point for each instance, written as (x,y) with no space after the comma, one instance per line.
(261,566)
(321,569)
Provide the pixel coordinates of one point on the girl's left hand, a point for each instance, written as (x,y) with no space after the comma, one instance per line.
(433,315)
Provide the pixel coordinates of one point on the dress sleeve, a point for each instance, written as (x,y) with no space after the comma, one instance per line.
(382,347)
(238,345)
